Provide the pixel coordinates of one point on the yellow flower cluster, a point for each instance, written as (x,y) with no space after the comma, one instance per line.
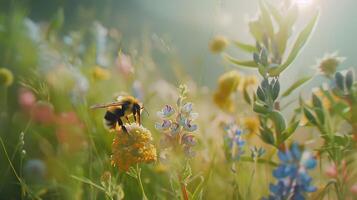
(251,124)
(133,147)
(218,44)
(100,73)
(6,77)
(329,63)
(248,81)
(227,84)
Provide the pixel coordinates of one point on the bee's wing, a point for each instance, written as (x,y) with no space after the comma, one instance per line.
(106,105)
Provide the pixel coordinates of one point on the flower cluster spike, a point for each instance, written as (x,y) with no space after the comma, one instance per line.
(234,142)
(292,174)
(177,124)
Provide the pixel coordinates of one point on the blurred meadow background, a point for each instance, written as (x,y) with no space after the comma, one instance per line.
(241,99)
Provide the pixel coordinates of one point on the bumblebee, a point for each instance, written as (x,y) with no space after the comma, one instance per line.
(124,107)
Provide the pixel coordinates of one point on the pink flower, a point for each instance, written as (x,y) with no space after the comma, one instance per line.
(331,171)
(353,188)
(66,118)
(42,112)
(124,65)
(26,98)
(70,131)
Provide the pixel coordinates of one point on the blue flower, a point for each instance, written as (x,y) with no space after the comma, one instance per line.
(166,112)
(187,107)
(293,179)
(164,125)
(234,141)
(188,126)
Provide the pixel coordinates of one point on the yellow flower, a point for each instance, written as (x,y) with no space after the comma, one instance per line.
(100,73)
(329,63)
(223,101)
(248,81)
(218,44)
(227,84)
(251,124)
(133,147)
(6,77)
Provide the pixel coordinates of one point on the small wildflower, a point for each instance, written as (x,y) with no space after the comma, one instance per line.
(293,179)
(124,65)
(353,189)
(26,98)
(218,44)
(227,84)
(6,77)
(331,171)
(251,124)
(329,63)
(178,126)
(166,124)
(166,112)
(35,170)
(234,142)
(257,152)
(247,81)
(43,112)
(100,73)
(133,147)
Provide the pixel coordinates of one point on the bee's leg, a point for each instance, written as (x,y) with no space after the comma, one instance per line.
(134,113)
(127,118)
(138,113)
(120,122)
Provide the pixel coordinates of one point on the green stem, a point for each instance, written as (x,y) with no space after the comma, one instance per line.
(251,180)
(138,173)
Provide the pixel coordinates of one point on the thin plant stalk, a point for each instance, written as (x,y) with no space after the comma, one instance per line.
(138,173)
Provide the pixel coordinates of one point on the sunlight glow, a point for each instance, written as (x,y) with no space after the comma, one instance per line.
(304,3)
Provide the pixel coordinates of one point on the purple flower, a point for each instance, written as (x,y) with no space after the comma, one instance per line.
(234,142)
(164,125)
(188,126)
(166,112)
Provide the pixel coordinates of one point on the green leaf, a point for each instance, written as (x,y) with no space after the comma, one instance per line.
(246,63)
(349,79)
(299,43)
(260,108)
(316,101)
(320,115)
(267,136)
(340,81)
(56,22)
(255,28)
(278,120)
(310,116)
(295,85)
(245,47)
(266,19)
(289,131)
(260,94)
(275,90)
